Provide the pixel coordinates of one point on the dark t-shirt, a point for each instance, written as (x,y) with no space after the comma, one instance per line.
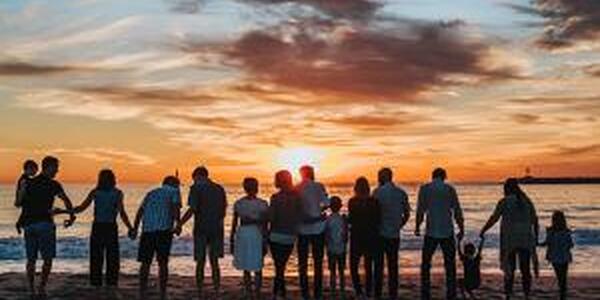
(364,218)
(209,202)
(39,199)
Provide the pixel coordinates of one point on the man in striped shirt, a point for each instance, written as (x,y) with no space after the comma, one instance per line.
(159,211)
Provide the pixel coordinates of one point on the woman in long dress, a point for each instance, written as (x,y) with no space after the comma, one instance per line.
(250,213)
(518,234)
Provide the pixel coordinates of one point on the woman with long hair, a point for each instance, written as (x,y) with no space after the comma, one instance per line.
(104,239)
(284,216)
(363,219)
(518,234)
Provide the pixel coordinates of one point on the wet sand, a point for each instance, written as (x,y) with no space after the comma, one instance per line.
(75,286)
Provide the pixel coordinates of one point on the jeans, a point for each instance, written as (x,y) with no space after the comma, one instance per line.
(360,249)
(389,252)
(281,254)
(524,256)
(448,245)
(317,245)
(104,246)
(561,271)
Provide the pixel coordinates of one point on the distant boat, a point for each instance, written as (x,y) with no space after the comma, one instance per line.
(559,180)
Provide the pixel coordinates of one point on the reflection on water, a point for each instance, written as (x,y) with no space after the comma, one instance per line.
(580,203)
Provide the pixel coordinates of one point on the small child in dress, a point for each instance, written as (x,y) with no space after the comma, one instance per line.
(471,259)
(30,169)
(336,238)
(559,243)
(247,238)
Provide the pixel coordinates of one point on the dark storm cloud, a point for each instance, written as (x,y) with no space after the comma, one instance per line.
(363,63)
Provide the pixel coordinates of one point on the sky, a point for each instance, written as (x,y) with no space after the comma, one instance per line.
(484,88)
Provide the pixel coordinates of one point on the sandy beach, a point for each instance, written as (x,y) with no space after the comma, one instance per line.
(75,286)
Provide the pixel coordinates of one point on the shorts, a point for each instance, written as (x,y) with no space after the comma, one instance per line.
(155,242)
(214,243)
(40,237)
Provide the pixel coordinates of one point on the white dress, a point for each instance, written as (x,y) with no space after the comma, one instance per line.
(248,249)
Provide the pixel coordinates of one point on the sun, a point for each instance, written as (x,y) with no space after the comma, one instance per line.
(292,159)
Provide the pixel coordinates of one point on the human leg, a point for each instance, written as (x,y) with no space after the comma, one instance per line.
(318,251)
(303,245)
(525,268)
(429,246)
(449,250)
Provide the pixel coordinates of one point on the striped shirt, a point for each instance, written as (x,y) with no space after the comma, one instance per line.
(157,208)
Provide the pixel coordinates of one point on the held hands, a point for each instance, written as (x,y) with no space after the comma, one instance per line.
(132,233)
(69,222)
(231,245)
(460,235)
(177,230)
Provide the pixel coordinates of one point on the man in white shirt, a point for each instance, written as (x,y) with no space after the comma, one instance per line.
(311,230)
(439,202)
(395,212)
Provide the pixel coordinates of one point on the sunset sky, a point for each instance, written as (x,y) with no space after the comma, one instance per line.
(484,88)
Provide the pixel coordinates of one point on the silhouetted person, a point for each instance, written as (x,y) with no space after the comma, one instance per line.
(159,211)
(38,220)
(30,169)
(559,243)
(250,213)
(311,231)
(336,239)
(364,219)
(518,234)
(471,260)
(395,212)
(284,217)
(208,204)
(438,201)
(104,239)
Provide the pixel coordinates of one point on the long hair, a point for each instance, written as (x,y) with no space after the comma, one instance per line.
(283,180)
(362,187)
(106,180)
(559,222)
(511,187)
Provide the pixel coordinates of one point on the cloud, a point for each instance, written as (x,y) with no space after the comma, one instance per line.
(592,70)
(350,9)
(107,155)
(525,119)
(579,150)
(567,23)
(351,63)
(185,6)
(15,68)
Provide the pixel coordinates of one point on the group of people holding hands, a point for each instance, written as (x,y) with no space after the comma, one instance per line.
(301,216)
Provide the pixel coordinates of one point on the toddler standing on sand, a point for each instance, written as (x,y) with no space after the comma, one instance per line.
(559,243)
(471,259)
(336,238)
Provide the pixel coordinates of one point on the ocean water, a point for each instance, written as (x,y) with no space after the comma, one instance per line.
(581,204)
